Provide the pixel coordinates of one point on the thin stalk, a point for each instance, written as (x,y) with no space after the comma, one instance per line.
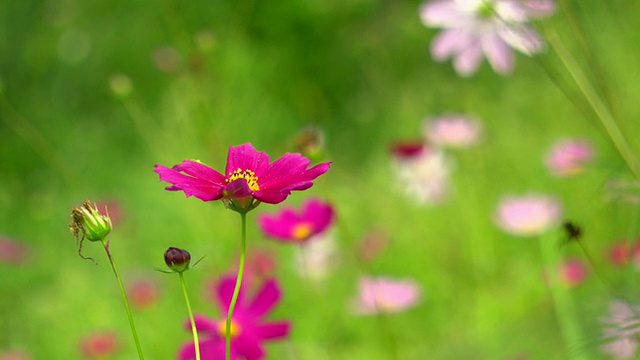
(596,103)
(196,343)
(563,304)
(124,298)
(236,290)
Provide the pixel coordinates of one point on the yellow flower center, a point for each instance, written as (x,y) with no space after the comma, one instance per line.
(249,175)
(234,329)
(301,231)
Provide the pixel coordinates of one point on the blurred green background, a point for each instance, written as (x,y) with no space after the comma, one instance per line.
(208,74)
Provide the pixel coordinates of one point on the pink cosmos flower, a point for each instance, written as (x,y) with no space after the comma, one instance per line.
(621,330)
(143,293)
(248,330)
(573,272)
(11,251)
(249,175)
(386,295)
(489,28)
(99,345)
(422,172)
(313,218)
(568,157)
(452,130)
(528,215)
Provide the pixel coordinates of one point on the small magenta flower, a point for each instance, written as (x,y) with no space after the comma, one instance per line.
(453,131)
(569,157)
(573,272)
(474,29)
(528,215)
(248,329)
(177,259)
(249,175)
(385,295)
(290,225)
(88,222)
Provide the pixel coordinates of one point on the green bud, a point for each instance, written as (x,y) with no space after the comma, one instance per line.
(177,259)
(88,222)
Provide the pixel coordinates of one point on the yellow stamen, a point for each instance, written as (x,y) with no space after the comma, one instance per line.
(302,231)
(249,175)
(234,329)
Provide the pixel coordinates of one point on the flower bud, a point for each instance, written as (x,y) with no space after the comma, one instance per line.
(177,259)
(87,221)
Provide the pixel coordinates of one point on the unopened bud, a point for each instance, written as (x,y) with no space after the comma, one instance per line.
(177,259)
(88,222)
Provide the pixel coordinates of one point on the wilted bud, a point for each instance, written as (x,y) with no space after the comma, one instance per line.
(87,221)
(177,259)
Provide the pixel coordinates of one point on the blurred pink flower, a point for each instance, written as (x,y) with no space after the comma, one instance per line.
(143,293)
(291,225)
(14,355)
(489,28)
(385,295)
(250,175)
(372,244)
(248,330)
(528,215)
(112,207)
(99,345)
(573,272)
(452,130)
(568,157)
(621,330)
(12,251)
(421,172)
(624,251)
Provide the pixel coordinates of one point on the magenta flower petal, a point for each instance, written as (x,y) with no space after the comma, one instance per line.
(224,293)
(209,349)
(290,225)
(249,346)
(202,323)
(273,330)
(245,157)
(265,299)
(286,174)
(278,225)
(318,213)
(198,179)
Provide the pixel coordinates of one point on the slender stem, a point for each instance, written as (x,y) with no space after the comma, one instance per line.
(124,298)
(196,343)
(563,304)
(596,103)
(236,290)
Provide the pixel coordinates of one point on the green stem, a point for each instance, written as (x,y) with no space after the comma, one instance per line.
(124,298)
(236,290)
(596,103)
(196,343)
(563,304)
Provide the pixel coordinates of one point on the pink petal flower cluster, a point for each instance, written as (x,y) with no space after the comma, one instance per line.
(291,225)
(621,330)
(249,174)
(474,29)
(528,215)
(248,329)
(453,130)
(421,172)
(568,157)
(385,295)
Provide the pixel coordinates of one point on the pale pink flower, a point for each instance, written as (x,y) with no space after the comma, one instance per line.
(573,272)
(624,251)
(621,330)
(568,157)
(528,215)
(99,345)
(489,28)
(452,130)
(385,295)
(422,173)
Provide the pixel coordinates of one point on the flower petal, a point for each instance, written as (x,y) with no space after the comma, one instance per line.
(248,346)
(265,299)
(286,174)
(498,53)
(246,157)
(198,179)
(209,349)
(203,323)
(468,60)
(318,213)
(273,330)
(224,293)
(278,225)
